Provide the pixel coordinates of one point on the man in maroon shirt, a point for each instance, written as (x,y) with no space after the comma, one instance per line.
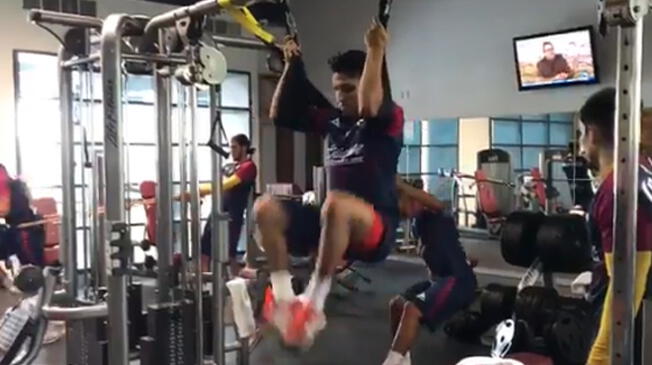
(597,126)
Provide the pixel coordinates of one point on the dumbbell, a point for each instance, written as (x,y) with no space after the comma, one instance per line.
(497,302)
(146,244)
(29,280)
(570,336)
(150,262)
(538,307)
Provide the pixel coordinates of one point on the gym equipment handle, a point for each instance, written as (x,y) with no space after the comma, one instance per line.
(77,313)
(71,20)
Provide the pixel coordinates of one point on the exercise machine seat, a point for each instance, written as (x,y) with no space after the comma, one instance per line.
(148,191)
(47,208)
(539,186)
(487,201)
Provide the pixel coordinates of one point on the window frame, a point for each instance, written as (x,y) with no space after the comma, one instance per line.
(520,121)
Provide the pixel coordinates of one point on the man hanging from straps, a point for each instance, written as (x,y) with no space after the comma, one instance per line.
(360,215)
(597,127)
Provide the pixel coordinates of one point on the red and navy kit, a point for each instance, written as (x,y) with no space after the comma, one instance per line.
(452,283)
(362,155)
(26,243)
(602,214)
(234,203)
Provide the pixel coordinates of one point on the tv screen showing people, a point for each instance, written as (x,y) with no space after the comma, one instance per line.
(556,59)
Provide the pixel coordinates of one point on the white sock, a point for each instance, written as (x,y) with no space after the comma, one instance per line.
(282,286)
(318,290)
(407,360)
(394,358)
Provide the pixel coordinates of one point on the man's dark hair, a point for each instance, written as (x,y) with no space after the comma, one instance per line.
(546,43)
(244,141)
(350,63)
(598,111)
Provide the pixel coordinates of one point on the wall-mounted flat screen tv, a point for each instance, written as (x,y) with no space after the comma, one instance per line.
(556,59)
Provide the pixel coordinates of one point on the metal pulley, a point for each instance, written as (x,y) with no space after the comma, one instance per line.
(209,67)
(621,12)
(214,66)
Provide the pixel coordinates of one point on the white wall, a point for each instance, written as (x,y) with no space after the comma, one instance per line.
(455,57)
(18,34)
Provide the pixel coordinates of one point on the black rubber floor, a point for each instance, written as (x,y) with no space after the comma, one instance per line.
(358,332)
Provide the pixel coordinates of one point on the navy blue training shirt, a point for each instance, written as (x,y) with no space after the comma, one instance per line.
(362,154)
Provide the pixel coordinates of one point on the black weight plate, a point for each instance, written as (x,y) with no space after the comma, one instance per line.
(29,280)
(537,306)
(570,339)
(497,302)
(563,244)
(518,238)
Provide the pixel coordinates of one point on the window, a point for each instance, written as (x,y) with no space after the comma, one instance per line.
(430,146)
(526,137)
(37,104)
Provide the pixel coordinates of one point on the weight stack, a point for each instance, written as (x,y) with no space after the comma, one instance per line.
(137,319)
(207,303)
(172,331)
(86,340)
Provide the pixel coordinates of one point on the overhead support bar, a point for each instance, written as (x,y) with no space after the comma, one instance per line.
(168,19)
(70,20)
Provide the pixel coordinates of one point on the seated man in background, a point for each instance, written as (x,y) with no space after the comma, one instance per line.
(451,286)
(360,215)
(553,66)
(597,127)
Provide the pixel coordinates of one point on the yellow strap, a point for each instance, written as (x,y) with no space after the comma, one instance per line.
(243,16)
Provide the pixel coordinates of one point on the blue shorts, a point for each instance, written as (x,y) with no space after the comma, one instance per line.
(440,299)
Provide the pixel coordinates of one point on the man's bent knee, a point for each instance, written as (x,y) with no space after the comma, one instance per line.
(410,310)
(397,303)
(267,208)
(334,204)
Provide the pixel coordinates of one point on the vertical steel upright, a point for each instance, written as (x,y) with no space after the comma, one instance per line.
(111,62)
(627,16)
(219,244)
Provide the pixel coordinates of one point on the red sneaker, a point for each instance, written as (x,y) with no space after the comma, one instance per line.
(304,323)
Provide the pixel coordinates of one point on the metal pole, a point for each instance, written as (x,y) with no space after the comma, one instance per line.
(219,243)
(84,190)
(195,224)
(164,187)
(99,220)
(68,224)
(183,183)
(94,190)
(71,20)
(114,173)
(627,138)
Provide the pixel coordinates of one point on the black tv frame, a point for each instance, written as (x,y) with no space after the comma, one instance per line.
(596,80)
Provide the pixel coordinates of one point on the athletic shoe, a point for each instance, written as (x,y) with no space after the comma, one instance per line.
(304,323)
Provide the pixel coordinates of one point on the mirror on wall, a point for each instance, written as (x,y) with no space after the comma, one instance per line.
(527,151)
